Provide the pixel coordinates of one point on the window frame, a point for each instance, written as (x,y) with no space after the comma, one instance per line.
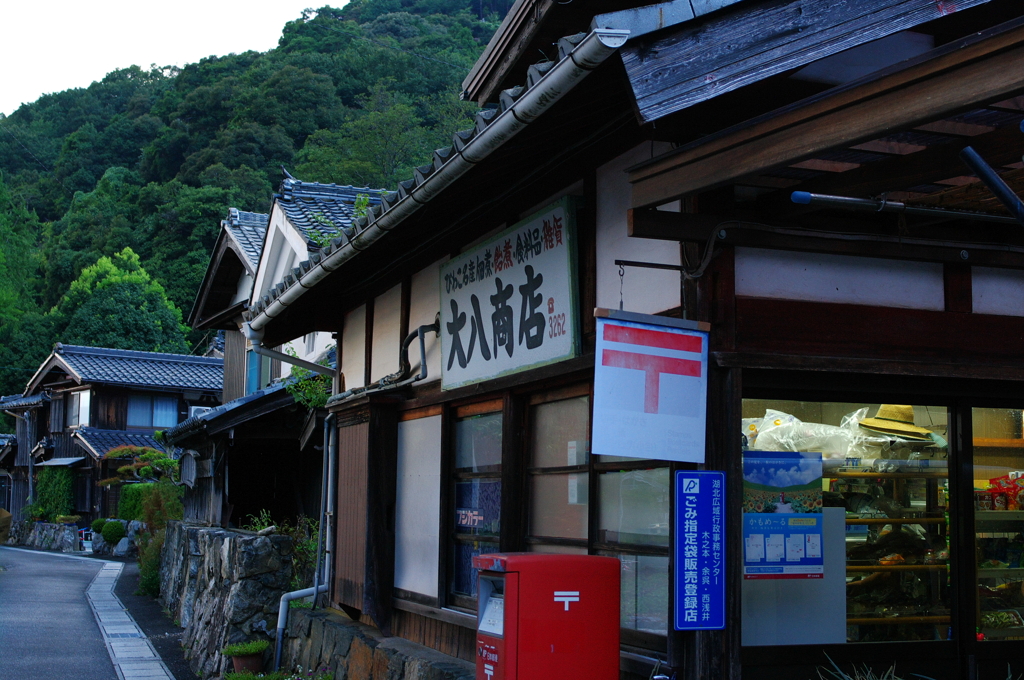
(152,399)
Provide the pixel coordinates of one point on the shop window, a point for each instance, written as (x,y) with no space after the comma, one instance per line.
(78,408)
(148,412)
(559,474)
(476,524)
(845,521)
(999,522)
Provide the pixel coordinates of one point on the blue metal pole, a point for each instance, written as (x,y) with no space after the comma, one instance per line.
(994,182)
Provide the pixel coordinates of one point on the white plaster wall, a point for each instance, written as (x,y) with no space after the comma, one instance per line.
(997,291)
(644,290)
(424,304)
(387,331)
(353,352)
(243,289)
(839,278)
(280,249)
(418,505)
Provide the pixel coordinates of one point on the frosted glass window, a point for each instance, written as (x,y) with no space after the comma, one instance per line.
(140,411)
(644,600)
(634,507)
(165,412)
(559,500)
(478,443)
(559,432)
(558,505)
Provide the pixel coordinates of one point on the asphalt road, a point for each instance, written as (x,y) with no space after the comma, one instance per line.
(47,629)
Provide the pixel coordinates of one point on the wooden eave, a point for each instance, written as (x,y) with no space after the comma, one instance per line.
(530,28)
(219,285)
(981,69)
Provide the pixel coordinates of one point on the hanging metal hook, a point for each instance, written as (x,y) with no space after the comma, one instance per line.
(622,277)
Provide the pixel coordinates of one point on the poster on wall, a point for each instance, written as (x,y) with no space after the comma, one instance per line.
(510,303)
(699,573)
(650,387)
(782,520)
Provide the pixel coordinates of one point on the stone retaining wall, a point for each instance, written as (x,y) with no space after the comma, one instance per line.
(44,536)
(222,586)
(355,651)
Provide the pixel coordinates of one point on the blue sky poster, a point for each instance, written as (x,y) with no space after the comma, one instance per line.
(782,527)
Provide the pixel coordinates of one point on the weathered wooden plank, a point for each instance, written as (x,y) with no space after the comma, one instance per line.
(696,64)
(896,109)
(950,56)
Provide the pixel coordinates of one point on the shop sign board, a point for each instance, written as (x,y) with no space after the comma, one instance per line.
(650,387)
(510,304)
(699,554)
(782,518)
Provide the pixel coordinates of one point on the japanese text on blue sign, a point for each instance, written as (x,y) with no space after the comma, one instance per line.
(699,551)
(509,304)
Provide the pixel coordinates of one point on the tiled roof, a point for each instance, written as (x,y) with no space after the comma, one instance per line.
(18,401)
(100,441)
(6,439)
(325,210)
(199,422)
(517,107)
(143,369)
(248,229)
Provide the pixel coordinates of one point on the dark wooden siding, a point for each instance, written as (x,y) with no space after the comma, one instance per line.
(448,638)
(26,433)
(19,495)
(234,365)
(57,414)
(350,548)
(109,409)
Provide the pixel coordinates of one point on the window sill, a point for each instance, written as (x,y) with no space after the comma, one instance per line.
(446,615)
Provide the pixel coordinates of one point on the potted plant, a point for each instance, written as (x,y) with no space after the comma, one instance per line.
(247,656)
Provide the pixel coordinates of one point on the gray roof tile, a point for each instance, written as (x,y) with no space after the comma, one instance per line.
(102,441)
(324,210)
(18,401)
(143,369)
(249,230)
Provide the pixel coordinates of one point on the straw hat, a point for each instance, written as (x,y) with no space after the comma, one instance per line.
(896,419)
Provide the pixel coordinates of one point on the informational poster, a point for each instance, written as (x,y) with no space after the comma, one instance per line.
(698,526)
(510,304)
(650,387)
(782,520)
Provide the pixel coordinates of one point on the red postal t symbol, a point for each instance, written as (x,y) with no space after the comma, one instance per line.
(652,365)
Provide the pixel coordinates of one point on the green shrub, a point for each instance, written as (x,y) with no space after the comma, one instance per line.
(149,563)
(97,525)
(246,648)
(54,495)
(129,506)
(113,532)
(161,503)
(68,519)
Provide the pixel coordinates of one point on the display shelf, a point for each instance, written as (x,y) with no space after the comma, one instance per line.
(924,474)
(999,515)
(1003,633)
(1001,573)
(901,520)
(990,443)
(896,567)
(895,620)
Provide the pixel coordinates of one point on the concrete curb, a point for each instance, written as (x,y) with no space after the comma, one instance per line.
(132,654)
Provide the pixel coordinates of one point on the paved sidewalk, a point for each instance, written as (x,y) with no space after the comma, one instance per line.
(132,654)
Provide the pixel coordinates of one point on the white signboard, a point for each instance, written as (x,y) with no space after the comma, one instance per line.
(510,304)
(650,387)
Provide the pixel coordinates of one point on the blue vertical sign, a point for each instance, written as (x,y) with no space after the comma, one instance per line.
(699,527)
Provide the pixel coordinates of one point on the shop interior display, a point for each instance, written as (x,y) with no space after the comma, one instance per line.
(891,476)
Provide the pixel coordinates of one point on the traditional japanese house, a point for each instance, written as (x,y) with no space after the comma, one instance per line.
(260,424)
(790,172)
(85,401)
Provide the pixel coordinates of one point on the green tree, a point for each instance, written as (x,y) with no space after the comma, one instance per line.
(116,304)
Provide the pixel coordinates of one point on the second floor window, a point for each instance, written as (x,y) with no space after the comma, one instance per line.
(78,408)
(145,411)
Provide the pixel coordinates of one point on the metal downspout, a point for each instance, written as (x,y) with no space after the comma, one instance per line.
(326,511)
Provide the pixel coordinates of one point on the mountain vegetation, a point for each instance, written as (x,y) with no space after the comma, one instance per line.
(111,195)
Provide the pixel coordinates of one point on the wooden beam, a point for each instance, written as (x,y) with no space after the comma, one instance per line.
(985,67)
(704,60)
(858,237)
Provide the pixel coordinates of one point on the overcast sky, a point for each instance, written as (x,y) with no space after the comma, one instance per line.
(62,44)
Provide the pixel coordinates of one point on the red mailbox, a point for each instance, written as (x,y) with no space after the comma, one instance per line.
(547,616)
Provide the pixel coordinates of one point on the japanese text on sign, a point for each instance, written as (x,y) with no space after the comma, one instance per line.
(699,551)
(510,304)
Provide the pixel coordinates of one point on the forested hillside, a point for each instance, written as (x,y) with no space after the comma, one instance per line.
(139,167)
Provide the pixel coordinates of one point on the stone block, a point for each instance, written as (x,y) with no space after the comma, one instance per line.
(359,662)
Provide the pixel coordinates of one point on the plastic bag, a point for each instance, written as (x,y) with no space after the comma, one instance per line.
(787,433)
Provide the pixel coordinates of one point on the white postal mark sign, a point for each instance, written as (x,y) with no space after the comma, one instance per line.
(650,389)
(510,303)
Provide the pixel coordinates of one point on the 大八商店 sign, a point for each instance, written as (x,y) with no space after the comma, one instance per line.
(510,303)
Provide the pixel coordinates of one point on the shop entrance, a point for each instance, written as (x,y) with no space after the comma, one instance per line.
(888,529)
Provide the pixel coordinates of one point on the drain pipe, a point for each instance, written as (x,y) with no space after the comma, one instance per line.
(326,513)
(398,378)
(255,337)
